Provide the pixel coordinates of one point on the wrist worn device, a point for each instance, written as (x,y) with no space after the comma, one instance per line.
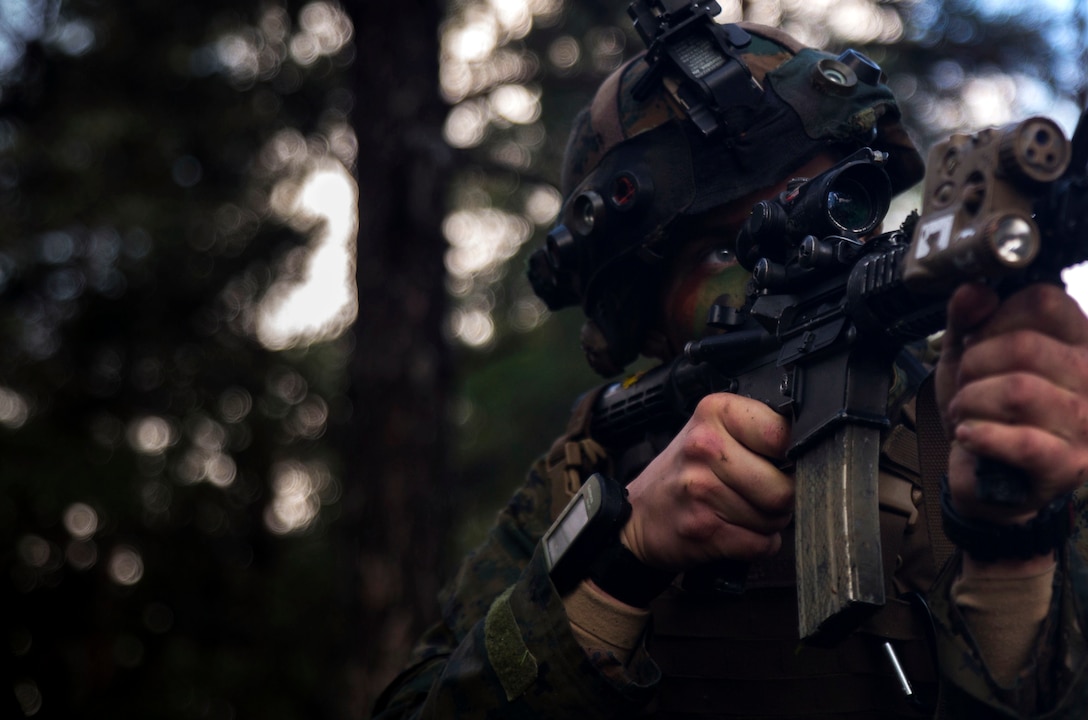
(987,541)
(584,542)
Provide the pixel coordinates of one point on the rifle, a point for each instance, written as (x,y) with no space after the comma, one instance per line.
(828,314)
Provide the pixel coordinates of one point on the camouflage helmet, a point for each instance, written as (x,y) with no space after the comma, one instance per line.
(655,146)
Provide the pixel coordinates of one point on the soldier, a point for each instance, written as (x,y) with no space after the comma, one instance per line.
(658,182)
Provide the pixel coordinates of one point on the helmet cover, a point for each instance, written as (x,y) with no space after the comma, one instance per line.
(636,162)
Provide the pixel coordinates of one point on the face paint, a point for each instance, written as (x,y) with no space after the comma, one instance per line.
(705,269)
(714,278)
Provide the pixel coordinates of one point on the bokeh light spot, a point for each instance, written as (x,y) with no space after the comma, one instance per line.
(81,521)
(482,238)
(299,490)
(516,103)
(74,37)
(220,469)
(126,566)
(466,124)
(474,327)
(14,410)
(323,303)
(324,31)
(543,204)
(29,697)
(564,52)
(151,435)
(34,551)
(235,404)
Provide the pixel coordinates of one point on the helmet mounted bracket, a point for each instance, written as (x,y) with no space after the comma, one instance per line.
(682,34)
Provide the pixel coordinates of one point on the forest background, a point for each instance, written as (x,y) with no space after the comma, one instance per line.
(269,361)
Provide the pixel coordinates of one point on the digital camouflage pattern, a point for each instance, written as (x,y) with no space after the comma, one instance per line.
(504,648)
(789,126)
(1055,685)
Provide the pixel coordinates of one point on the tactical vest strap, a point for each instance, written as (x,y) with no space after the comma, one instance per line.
(899,494)
(897,620)
(574,456)
(933,448)
(900,449)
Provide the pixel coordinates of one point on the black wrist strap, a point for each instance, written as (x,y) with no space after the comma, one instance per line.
(619,573)
(987,542)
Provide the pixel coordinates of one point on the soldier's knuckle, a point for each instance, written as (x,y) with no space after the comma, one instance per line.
(701,444)
(709,406)
(1031,450)
(694,488)
(696,525)
(1022,348)
(1020,393)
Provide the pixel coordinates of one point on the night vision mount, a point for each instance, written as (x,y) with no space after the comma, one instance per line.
(683,34)
(713,83)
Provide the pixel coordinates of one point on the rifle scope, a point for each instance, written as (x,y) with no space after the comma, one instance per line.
(848,200)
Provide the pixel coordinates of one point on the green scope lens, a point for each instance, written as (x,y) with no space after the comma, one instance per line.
(851,206)
(847,200)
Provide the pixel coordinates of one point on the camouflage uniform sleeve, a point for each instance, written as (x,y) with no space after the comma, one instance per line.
(1055,684)
(504,647)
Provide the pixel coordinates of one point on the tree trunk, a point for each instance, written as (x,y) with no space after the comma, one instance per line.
(395,502)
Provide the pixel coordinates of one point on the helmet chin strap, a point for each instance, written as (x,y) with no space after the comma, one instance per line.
(656,344)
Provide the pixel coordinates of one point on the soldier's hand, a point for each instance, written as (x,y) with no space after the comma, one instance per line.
(1012,384)
(715,491)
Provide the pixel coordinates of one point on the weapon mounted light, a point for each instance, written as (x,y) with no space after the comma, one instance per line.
(1016,242)
(978,204)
